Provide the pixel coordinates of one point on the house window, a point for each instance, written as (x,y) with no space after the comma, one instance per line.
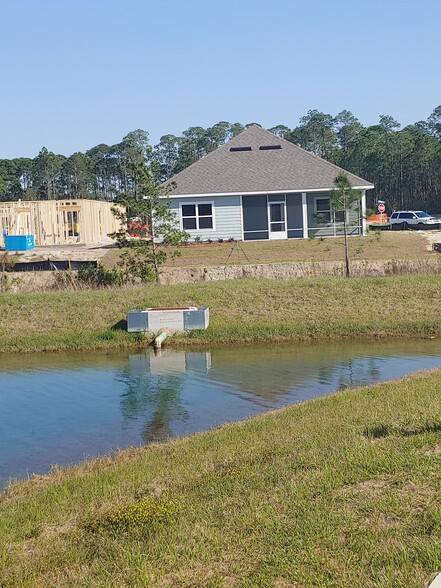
(324,212)
(323,209)
(197,216)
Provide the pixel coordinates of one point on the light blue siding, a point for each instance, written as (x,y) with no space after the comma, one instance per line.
(227,217)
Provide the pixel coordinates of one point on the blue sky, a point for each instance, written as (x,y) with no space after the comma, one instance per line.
(76,73)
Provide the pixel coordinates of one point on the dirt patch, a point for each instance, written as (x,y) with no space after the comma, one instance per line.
(432,237)
(67,252)
(432,449)
(281,583)
(49,531)
(374,486)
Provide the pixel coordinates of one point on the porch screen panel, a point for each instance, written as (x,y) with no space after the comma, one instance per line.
(255,217)
(256,236)
(294,216)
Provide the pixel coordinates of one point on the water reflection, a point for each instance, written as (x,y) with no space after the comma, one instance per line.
(155,384)
(60,408)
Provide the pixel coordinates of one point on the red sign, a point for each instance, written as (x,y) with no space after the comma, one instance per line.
(381,208)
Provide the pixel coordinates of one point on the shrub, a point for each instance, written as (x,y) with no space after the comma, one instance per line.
(100,276)
(145,515)
(7,262)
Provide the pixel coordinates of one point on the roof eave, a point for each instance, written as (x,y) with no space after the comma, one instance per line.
(258,192)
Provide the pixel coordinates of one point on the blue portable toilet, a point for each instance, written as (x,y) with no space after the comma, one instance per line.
(19,242)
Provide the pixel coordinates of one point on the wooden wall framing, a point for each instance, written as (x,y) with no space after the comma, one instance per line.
(57,222)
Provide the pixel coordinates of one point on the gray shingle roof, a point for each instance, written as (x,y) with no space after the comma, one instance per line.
(289,168)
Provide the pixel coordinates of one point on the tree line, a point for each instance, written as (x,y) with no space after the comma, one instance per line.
(404,164)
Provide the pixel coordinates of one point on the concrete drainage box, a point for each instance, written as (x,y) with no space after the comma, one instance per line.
(175,319)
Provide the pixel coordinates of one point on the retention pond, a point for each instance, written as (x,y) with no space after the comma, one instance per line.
(62,408)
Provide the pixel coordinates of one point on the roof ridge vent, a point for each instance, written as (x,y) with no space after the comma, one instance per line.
(240,149)
(269,147)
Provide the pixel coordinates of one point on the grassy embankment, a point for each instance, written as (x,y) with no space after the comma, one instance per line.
(246,310)
(340,491)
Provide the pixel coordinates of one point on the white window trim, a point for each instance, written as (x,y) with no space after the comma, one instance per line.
(323,211)
(331,211)
(196,203)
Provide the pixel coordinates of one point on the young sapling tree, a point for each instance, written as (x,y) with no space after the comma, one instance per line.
(343,197)
(150,230)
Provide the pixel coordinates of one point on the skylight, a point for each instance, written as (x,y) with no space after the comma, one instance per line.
(268,147)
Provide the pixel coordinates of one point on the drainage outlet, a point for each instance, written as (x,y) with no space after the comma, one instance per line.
(176,319)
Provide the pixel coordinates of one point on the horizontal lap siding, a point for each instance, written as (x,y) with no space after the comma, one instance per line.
(354,218)
(227,217)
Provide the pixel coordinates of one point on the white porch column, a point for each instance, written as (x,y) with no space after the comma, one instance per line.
(363,213)
(241,216)
(305,216)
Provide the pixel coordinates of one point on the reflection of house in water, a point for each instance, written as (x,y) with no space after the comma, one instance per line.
(267,373)
(155,383)
(174,391)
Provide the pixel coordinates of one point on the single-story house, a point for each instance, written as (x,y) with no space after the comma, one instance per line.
(56,222)
(259,186)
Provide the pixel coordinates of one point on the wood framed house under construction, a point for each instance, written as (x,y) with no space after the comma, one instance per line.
(57,222)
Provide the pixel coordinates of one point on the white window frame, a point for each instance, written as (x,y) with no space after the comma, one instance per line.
(331,211)
(323,211)
(196,203)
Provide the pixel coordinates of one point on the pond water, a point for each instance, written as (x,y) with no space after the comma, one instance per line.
(62,408)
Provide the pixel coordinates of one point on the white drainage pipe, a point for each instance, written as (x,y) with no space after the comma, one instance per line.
(160,338)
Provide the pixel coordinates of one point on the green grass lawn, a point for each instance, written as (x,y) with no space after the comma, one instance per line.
(240,311)
(377,245)
(337,492)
